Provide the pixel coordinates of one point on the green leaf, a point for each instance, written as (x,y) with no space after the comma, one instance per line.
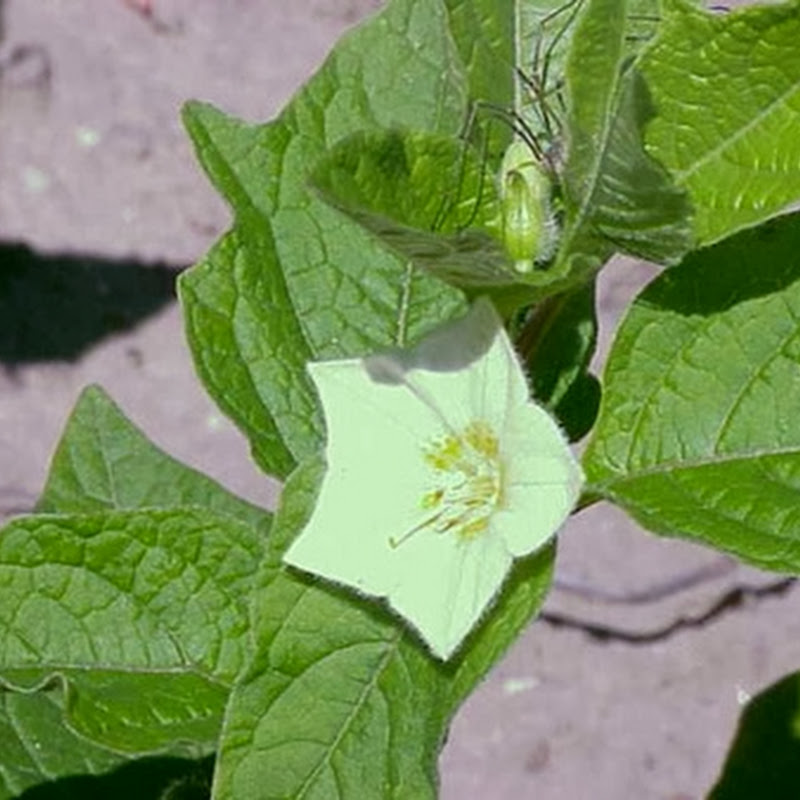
(426,196)
(142,615)
(616,196)
(37,747)
(103,462)
(339,699)
(51,762)
(434,198)
(558,341)
(763,759)
(294,280)
(727,90)
(239,319)
(698,433)
(150,711)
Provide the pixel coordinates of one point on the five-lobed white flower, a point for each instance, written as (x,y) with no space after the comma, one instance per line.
(440,471)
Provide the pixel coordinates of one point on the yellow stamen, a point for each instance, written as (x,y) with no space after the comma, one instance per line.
(467,478)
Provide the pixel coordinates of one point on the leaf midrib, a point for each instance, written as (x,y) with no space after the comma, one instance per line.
(781,100)
(668,467)
(344,728)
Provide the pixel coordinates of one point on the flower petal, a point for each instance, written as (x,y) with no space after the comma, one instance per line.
(374,481)
(449,584)
(542,479)
(468,370)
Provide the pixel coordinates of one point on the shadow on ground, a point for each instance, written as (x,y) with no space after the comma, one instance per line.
(55,307)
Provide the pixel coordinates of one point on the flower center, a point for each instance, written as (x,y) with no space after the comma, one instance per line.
(467,482)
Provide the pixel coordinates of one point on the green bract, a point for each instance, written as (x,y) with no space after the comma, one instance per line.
(441,471)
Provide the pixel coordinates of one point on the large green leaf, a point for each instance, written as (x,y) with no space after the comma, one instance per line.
(699,427)
(142,616)
(340,700)
(294,280)
(616,196)
(103,462)
(726,87)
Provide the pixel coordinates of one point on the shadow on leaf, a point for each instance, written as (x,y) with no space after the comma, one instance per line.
(754,263)
(142,779)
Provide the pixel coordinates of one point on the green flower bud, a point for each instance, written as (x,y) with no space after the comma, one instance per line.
(525,193)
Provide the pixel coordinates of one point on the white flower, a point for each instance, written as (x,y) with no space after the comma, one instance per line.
(441,471)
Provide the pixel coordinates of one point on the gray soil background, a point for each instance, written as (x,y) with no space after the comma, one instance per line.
(636,698)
